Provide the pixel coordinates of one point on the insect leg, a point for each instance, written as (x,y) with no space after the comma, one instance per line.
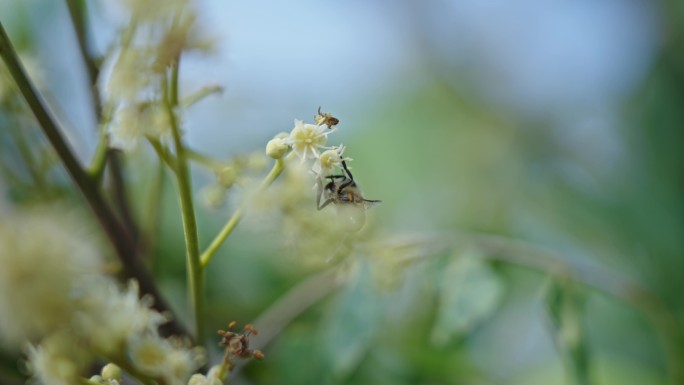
(344,165)
(333,177)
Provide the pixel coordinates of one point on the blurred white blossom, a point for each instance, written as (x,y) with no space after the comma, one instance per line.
(59,360)
(47,260)
(211,378)
(130,75)
(132,123)
(170,359)
(123,314)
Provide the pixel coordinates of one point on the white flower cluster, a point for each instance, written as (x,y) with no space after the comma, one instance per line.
(309,141)
(211,378)
(132,87)
(53,295)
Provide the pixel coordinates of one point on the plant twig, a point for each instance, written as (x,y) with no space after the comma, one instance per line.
(293,303)
(117,234)
(99,161)
(154,203)
(203,159)
(195,273)
(216,243)
(77,12)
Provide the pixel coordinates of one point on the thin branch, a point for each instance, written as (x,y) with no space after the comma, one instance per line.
(119,194)
(77,12)
(99,161)
(163,154)
(293,303)
(153,213)
(195,272)
(204,159)
(117,234)
(216,243)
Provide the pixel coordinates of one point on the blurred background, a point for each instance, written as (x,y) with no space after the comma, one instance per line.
(558,124)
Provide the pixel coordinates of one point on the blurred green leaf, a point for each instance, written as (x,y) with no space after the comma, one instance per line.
(470,291)
(352,325)
(565,306)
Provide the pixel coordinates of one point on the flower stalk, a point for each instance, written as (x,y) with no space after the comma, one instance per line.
(227,229)
(195,273)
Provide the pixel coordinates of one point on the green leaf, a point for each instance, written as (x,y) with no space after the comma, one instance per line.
(351,328)
(469,292)
(565,307)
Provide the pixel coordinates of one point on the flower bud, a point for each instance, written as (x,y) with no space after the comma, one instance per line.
(213,196)
(111,372)
(277,148)
(226,176)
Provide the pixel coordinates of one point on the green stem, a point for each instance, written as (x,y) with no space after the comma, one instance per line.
(200,94)
(203,159)
(77,12)
(195,273)
(209,253)
(99,161)
(164,154)
(154,203)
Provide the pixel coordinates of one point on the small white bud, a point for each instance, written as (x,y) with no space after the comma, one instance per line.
(277,148)
(226,176)
(111,372)
(213,196)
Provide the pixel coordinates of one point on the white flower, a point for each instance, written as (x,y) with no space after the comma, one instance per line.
(111,372)
(131,74)
(148,353)
(111,317)
(133,122)
(182,362)
(58,360)
(329,160)
(46,260)
(212,377)
(307,139)
(170,359)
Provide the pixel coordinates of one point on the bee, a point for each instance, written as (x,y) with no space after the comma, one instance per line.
(325,118)
(347,197)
